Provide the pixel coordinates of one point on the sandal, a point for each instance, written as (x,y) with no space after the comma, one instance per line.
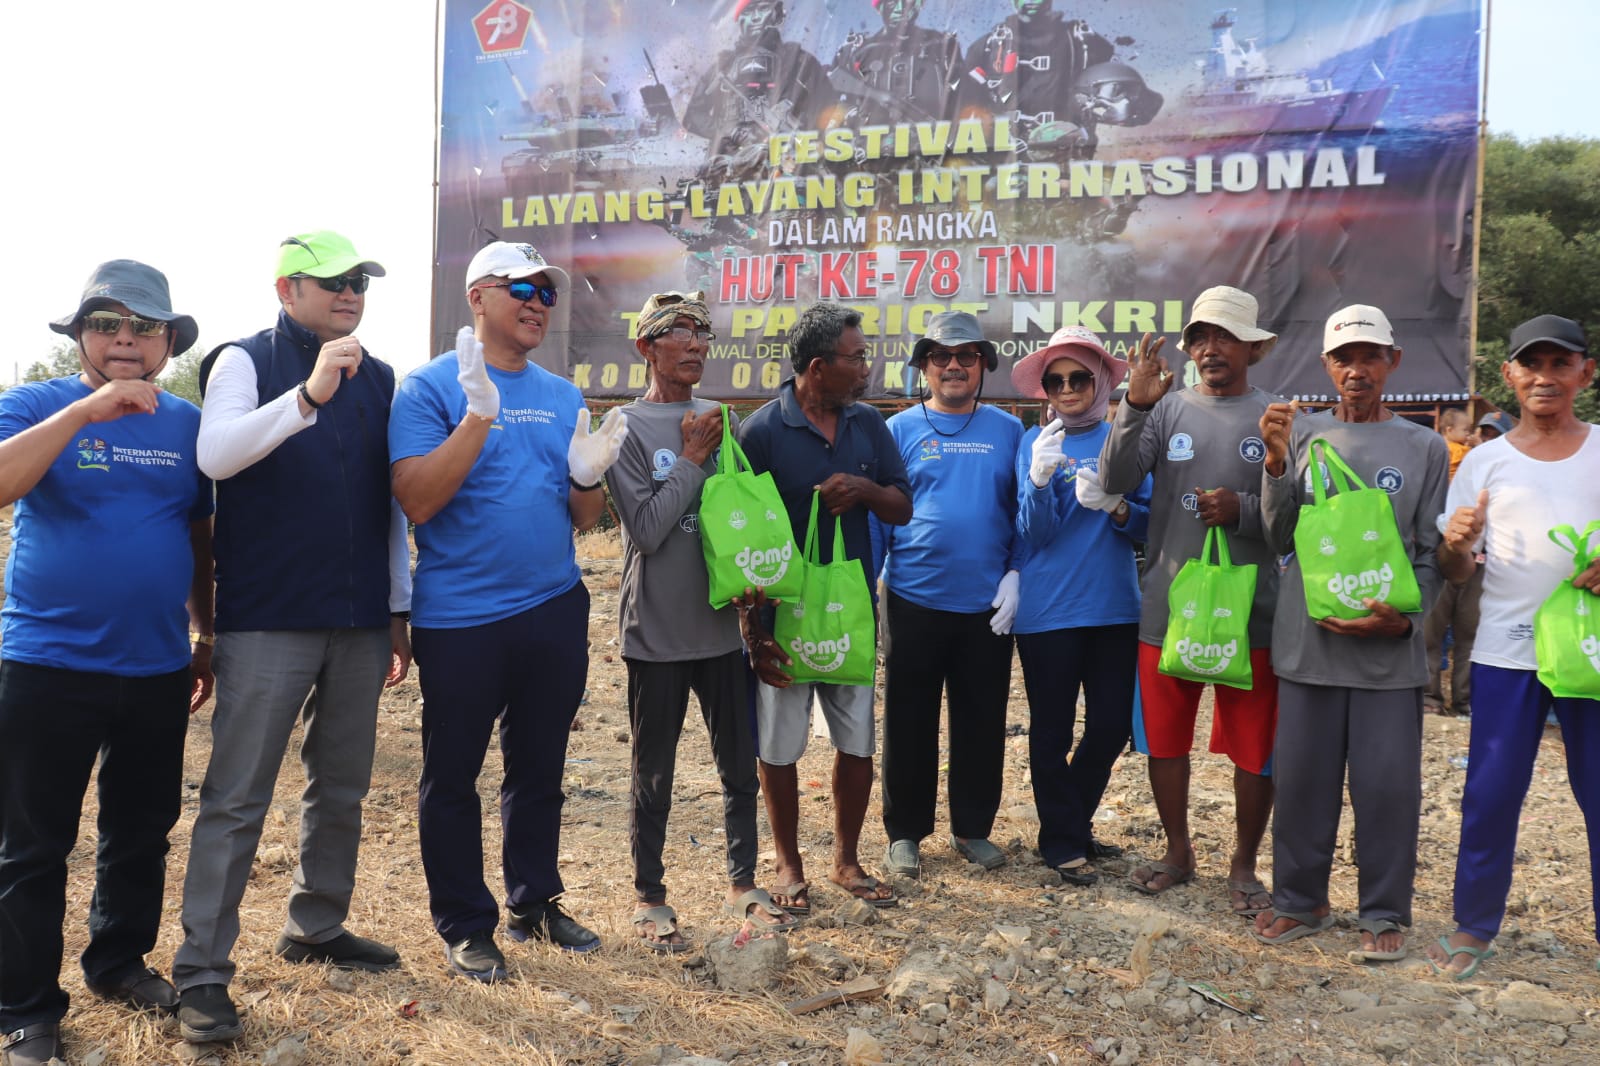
(799,896)
(865,889)
(1177,874)
(1248,889)
(1377,927)
(1310,924)
(761,898)
(1478,956)
(665,920)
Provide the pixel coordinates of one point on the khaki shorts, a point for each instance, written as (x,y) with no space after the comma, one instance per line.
(783,720)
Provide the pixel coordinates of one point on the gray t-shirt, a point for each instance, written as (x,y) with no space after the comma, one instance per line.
(664,613)
(1412,464)
(1187,442)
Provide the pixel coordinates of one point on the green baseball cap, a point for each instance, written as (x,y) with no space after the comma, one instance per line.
(321,254)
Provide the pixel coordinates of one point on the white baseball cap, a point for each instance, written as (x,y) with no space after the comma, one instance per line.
(503,259)
(1357,324)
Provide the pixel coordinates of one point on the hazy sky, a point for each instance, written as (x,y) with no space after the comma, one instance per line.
(164,131)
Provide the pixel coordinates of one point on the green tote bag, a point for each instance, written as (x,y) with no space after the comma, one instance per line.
(1208,618)
(744,529)
(1349,545)
(1566,629)
(828,630)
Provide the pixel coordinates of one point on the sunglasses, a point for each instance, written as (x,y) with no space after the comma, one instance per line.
(1077,381)
(523,291)
(685,334)
(357,282)
(943,357)
(111,323)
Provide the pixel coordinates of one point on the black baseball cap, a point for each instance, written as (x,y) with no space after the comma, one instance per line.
(1548,329)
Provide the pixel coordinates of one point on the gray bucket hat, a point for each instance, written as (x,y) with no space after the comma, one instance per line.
(140,288)
(949,328)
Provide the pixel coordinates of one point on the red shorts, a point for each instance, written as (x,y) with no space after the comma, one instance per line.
(1243,723)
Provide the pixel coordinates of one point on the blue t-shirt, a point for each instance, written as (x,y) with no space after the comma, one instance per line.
(961,538)
(101,564)
(1079,567)
(503,544)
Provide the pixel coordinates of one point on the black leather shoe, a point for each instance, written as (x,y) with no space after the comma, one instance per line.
(547,921)
(32,1045)
(345,951)
(206,1015)
(142,989)
(477,957)
(1098,850)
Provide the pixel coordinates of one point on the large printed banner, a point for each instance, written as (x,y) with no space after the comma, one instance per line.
(1038,162)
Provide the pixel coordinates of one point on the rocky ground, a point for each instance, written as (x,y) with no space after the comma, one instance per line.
(974,967)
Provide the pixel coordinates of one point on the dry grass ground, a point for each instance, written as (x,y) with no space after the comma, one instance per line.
(1080,979)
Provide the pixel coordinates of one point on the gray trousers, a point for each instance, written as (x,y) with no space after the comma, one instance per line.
(1378,736)
(266,681)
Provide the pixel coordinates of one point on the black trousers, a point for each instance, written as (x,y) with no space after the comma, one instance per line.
(926,653)
(53,723)
(1103,661)
(525,673)
(658,700)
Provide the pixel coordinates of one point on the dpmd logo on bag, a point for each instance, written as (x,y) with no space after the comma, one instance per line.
(1591,648)
(1209,659)
(764,568)
(1366,585)
(824,656)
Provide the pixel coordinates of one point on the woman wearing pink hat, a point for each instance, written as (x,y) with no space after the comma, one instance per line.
(1077,626)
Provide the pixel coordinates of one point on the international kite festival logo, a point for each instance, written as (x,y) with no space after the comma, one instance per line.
(92,454)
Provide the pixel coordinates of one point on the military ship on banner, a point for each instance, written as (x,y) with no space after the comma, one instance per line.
(1241,93)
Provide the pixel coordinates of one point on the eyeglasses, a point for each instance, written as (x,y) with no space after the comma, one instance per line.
(852,360)
(110,322)
(523,291)
(357,282)
(942,357)
(1077,381)
(684,334)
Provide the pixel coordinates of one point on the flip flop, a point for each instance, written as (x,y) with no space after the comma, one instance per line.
(1178,875)
(1310,924)
(1377,927)
(1478,956)
(761,898)
(1248,889)
(666,923)
(796,892)
(869,884)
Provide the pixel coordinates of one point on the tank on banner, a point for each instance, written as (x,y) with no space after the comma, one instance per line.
(1037,162)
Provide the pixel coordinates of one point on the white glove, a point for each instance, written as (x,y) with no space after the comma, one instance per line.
(1007,598)
(1090,494)
(483,399)
(1047,455)
(590,455)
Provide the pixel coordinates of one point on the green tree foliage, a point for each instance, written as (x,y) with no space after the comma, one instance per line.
(181,376)
(1541,248)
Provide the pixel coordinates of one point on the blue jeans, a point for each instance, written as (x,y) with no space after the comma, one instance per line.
(53,723)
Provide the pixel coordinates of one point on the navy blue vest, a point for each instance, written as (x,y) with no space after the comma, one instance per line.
(302,536)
